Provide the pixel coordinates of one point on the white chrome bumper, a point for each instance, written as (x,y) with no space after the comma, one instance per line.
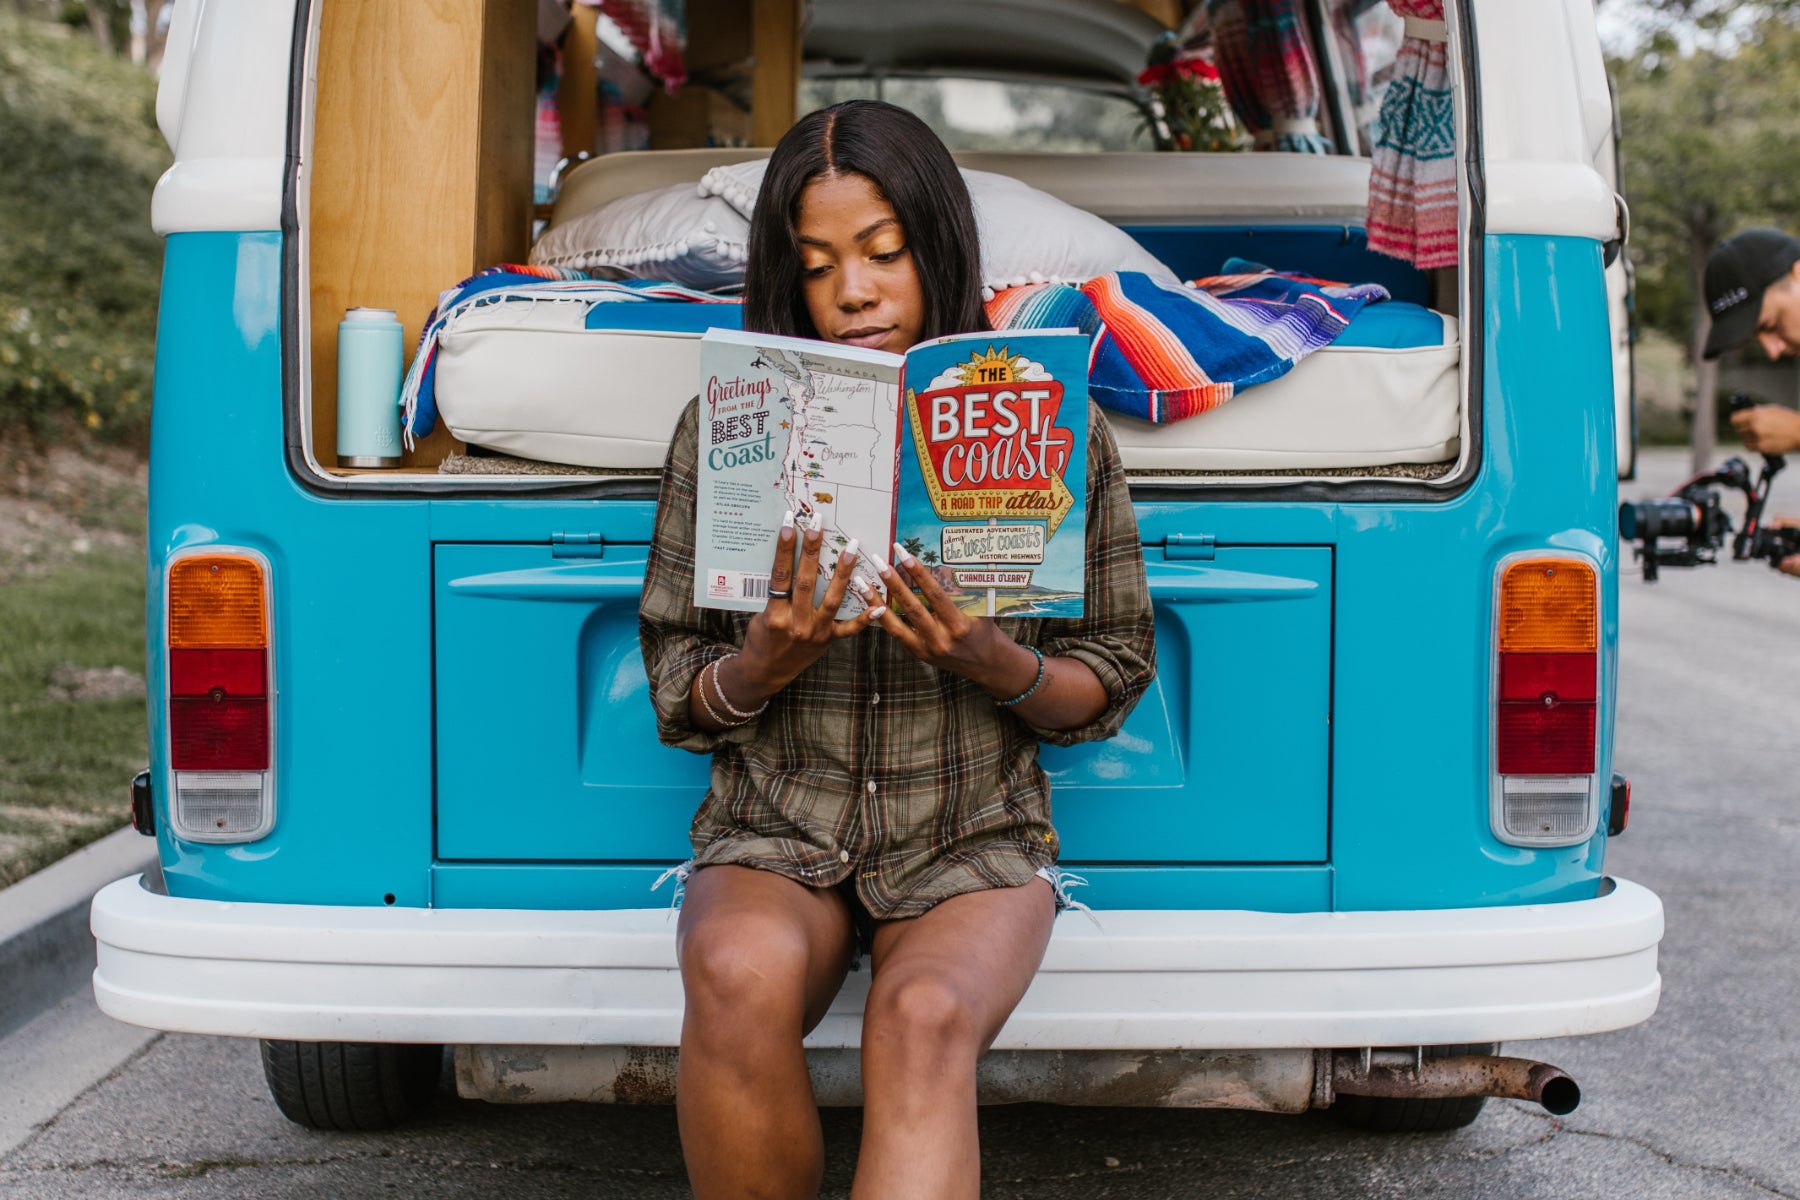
(1212,979)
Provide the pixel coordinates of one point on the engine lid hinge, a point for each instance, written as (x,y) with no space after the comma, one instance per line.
(577,545)
(1191,547)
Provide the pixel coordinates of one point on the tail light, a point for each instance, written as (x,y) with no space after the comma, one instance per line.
(221,698)
(1547,678)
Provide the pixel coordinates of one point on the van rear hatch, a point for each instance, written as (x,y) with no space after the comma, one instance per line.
(546,745)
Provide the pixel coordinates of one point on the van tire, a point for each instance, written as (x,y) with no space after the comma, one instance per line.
(1386,1114)
(351,1087)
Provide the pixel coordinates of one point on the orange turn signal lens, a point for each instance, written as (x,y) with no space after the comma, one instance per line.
(217,600)
(1549,604)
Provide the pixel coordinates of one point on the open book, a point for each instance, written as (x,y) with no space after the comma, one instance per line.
(970,451)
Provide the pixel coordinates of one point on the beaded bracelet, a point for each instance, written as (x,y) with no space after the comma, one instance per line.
(1035,684)
(731,708)
(707,704)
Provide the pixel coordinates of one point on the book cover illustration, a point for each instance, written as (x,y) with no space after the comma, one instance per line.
(790,424)
(993,478)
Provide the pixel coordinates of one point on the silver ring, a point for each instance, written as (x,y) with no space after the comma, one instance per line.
(775,595)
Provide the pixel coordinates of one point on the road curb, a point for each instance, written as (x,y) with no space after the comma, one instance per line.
(46,950)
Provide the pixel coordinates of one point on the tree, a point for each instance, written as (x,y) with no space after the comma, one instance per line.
(1708,148)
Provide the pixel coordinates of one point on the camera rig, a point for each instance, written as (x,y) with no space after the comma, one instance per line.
(1693,518)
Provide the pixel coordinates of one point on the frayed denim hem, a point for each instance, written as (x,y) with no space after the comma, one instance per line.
(1062,882)
(680,872)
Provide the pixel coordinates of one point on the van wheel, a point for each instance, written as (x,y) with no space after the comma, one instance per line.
(1386,1114)
(351,1086)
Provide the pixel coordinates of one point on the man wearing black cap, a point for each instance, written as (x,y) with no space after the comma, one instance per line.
(1753,291)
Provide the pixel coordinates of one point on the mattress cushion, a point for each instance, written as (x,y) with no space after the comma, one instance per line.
(602,386)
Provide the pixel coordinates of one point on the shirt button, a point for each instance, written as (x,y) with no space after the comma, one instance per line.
(875,699)
(843,856)
(871,787)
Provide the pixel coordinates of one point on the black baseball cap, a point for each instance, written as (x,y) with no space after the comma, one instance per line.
(1738,271)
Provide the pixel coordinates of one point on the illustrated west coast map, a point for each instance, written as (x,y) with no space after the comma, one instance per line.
(790,425)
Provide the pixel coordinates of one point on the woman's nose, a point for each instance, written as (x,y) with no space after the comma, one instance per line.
(1773,344)
(856,287)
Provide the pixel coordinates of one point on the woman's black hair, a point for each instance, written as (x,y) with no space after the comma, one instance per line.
(909,166)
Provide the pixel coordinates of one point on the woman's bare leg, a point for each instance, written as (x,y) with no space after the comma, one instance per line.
(761,958)
(943,985)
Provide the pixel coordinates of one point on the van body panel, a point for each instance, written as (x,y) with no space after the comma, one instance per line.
(353,819)
(223,109)
(1416,603)
(547,746)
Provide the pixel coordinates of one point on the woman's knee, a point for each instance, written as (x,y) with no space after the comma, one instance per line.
(919,1013)
(747,966)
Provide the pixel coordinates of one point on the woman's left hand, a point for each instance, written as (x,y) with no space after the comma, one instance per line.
(935,631)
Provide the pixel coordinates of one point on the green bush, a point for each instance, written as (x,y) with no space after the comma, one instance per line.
(79,265)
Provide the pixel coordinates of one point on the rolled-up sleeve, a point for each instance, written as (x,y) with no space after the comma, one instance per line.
(1116,634)
(679,640)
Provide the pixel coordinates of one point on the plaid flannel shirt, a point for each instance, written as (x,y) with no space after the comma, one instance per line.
(872,767)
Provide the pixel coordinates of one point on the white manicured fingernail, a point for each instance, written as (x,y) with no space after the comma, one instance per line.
(787,519)
(864,590)
(850,550)
(878,612)
(901,556)
(875,560)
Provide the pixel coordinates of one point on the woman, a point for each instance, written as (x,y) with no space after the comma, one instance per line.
(875,781)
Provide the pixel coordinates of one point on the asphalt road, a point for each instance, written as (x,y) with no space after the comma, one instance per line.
(1699,1103)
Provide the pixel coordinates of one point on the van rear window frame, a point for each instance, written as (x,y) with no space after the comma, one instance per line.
(1351,490)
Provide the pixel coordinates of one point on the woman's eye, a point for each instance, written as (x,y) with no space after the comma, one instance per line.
(890,256)
(813,272)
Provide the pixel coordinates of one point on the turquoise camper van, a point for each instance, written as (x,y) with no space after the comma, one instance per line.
(404,777)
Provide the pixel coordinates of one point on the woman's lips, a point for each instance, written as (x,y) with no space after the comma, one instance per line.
(866,337)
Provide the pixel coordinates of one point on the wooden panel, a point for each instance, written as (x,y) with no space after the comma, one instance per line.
(775,83)
(421,168)
(577,94)
(508,128)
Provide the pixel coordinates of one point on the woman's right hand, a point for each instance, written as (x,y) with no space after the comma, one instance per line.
(791,632)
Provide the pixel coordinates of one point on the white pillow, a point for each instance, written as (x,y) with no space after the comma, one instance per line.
(1027,236)
(670,234)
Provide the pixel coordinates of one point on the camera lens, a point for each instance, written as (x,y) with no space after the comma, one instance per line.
(1652,519)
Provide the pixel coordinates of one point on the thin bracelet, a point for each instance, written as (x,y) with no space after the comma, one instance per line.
(731,708)
(707,704)
(1035,684)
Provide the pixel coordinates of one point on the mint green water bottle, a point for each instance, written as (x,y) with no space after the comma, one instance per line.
(368,413)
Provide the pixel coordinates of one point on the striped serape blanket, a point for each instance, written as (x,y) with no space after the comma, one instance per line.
(514,281)
(1165,351)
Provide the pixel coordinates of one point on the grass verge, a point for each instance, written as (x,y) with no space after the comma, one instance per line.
(67,750)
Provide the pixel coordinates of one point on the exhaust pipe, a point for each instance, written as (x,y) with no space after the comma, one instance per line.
(1411,1075)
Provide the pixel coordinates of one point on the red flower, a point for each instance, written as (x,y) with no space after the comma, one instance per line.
(1193,67)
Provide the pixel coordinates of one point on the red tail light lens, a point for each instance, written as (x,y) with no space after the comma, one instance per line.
(1539,739)
(1535,676)
(234,672)
(219,733)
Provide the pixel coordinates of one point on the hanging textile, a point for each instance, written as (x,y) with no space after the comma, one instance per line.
(1269,73)
(1412,183)
(1354,62)
(657,29)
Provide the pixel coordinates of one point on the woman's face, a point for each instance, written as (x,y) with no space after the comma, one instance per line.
(861,285)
